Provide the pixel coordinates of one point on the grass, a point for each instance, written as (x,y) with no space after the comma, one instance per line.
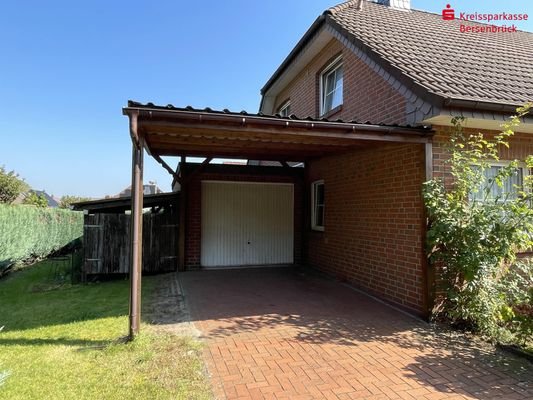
(63,343)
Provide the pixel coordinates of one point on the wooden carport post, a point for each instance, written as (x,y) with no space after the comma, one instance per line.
(136,227)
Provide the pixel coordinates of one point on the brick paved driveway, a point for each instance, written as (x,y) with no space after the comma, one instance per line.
(275,334)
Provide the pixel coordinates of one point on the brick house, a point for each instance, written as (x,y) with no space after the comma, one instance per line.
(364,103)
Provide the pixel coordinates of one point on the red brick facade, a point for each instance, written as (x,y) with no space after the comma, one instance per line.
(237,174)
(366,97)
(373,221)
(374,214)
(520,147)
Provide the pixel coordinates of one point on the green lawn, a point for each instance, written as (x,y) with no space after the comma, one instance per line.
(63,343)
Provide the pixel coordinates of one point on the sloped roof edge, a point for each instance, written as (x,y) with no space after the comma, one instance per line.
(437,99)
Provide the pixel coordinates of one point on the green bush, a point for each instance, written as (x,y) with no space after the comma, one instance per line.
(29,231)
(474,237)
(10,186)
(33,199)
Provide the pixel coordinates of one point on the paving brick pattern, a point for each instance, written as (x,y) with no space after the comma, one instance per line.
(278,334)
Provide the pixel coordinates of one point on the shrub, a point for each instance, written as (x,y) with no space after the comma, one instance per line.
(67,201)
(11,186)
(27,231)
(474,235)
(34,199)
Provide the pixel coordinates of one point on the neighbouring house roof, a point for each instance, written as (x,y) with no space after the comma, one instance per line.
(431,55)
(174,131)
(148,188)
(121,204)
(50,199)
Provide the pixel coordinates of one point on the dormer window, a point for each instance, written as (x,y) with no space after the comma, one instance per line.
(331,87)
(285,109)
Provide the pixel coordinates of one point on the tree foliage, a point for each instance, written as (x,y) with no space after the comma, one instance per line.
(11,186)
(476,231)
(67,201)
(34,199)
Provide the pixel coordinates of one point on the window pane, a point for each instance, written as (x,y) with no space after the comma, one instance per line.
(330,82)
(320,193)
(511,185)
(328,103)
(319,216)
(318,205)
(332,86)
(285,110)
(338,76)
(490,190)
(337,98)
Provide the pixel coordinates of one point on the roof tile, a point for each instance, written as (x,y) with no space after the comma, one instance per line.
(489,67)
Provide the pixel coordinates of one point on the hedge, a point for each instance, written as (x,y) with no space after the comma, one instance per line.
(28,231)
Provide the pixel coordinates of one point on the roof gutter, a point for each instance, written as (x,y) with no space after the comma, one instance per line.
(481,105)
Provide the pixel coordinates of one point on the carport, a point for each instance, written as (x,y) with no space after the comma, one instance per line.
(188,132)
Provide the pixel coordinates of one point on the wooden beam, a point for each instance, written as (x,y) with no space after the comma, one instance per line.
(273,154)
(279,152)
(158,140)
(216,153)
(217,133)
(134,127)
(136,236)
(182,223)
(166,166)
(279,133)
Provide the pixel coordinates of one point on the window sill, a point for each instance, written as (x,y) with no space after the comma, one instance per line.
(317,229)
(332,112)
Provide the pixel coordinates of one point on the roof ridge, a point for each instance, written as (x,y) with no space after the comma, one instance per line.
(342,6)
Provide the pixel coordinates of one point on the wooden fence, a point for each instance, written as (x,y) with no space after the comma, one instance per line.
(106,240)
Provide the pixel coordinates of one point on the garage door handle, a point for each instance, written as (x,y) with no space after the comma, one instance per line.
(248,242)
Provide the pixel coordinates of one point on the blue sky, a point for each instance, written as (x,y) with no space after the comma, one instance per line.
(69,67)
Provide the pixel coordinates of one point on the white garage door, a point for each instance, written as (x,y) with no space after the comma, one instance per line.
(245,224)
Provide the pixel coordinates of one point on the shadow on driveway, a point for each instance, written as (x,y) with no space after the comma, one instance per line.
(280,331)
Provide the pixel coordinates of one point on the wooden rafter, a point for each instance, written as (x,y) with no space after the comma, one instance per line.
(166,166)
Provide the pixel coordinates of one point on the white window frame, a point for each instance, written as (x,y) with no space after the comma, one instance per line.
(314,226)
(284,107)
(331,68)
(505,163)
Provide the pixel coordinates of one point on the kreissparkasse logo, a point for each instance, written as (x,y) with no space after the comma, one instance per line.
(448,13)
(488,22)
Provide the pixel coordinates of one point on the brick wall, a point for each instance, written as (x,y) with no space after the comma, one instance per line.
(237,174)
(373,222)
(520,146)
(366,96)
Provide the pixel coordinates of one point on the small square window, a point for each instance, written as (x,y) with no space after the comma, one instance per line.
(331,86)
(285,109)
(317,203)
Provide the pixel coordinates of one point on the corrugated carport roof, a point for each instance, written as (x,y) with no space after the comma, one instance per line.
(174,131)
